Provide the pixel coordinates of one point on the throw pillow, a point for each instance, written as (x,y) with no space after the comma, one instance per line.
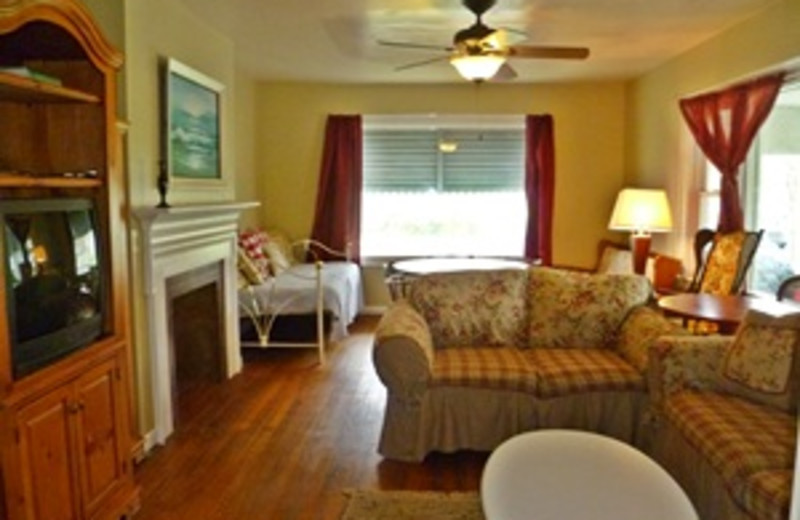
(252,242)
(247,269)
(282,243)
(761,364)
(572,309)
(277,259)
(641,328)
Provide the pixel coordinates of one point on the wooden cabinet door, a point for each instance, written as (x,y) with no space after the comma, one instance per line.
(101,459)
(44,488)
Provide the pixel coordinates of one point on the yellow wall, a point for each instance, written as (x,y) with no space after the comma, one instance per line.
(660,150)
(155,29)
(589,126)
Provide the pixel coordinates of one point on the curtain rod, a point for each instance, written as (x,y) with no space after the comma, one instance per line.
(791,69)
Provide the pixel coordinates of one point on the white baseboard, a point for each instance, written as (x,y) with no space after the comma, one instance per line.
(149,442)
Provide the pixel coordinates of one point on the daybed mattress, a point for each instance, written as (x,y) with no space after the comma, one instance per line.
(293,292)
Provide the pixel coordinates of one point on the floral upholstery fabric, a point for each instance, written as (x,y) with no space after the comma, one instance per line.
(499,368)
(679,363)
(402,320)
(738,438)
(639,331)
(477,308)
(570,309)
(767,494)
(568,371)
(722,263)
(759,364)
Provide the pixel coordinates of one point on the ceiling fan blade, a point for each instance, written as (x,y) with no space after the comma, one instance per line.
(505,73)
(562,53)
(422,63)
(411,45)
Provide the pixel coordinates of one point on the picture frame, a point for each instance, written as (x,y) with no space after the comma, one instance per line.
(191,137)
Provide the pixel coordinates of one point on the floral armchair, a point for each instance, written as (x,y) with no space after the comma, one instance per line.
(724,416)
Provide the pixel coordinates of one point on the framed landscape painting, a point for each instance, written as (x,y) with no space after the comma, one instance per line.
(191,124)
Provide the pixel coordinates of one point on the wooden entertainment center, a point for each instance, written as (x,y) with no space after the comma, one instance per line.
(65,428)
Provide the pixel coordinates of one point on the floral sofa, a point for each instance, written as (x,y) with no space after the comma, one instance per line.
(725,417)
(471,359)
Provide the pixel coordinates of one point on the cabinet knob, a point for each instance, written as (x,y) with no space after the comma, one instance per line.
(75,407)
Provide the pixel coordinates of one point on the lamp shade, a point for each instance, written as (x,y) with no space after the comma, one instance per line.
(479,67)
(641,211)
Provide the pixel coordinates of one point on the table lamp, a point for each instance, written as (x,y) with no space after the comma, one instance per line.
(642,212)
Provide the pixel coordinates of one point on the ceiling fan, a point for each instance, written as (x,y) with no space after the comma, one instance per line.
(480,53)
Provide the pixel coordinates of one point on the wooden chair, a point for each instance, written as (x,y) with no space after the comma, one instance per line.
(722,260)
(789,289)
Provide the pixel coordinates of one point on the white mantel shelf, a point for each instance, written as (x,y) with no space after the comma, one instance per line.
(173,241)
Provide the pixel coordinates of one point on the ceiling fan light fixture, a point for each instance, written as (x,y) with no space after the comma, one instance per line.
(478,67)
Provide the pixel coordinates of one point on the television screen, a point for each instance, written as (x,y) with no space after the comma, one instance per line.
(54,279)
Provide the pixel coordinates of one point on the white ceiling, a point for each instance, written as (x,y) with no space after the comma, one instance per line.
(336,40)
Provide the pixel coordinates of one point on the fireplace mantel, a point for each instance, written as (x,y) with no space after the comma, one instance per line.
(174,241)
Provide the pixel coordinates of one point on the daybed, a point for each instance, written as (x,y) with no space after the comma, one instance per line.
(277,282)
(470,359)
(724,417)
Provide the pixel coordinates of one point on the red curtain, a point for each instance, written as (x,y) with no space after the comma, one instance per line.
(539,187)
(337,219)
(724,125)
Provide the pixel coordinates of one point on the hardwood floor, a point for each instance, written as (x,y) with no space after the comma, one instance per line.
(284,439)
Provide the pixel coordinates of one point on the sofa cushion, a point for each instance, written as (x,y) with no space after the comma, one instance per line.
(767,494)
(568,371)
(641,328)
(760,363)
(570,309)
(474,308)
(491,367)
(738,438)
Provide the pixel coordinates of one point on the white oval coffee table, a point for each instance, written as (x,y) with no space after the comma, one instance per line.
(575,475)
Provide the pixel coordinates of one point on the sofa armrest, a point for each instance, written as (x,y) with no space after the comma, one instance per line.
(678,363)
(403,351)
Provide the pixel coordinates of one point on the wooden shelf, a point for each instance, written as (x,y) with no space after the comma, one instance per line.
(19,88)
(12,180)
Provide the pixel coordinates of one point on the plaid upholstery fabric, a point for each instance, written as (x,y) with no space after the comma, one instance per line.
(488,367)
(567,371)
(737,437)
(767,494)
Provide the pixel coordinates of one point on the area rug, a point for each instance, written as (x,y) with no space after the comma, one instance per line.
(411,505)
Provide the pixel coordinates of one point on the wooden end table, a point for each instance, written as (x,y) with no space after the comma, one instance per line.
(726,311)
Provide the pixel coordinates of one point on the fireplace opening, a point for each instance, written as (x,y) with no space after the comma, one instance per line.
(196,331)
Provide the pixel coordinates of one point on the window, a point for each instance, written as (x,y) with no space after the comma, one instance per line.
(436,186)
(770,183)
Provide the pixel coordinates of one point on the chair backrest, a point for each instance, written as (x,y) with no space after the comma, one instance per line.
(723,260)
(789,289)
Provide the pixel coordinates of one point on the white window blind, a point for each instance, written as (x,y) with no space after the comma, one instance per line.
(451,186)
(411,160)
